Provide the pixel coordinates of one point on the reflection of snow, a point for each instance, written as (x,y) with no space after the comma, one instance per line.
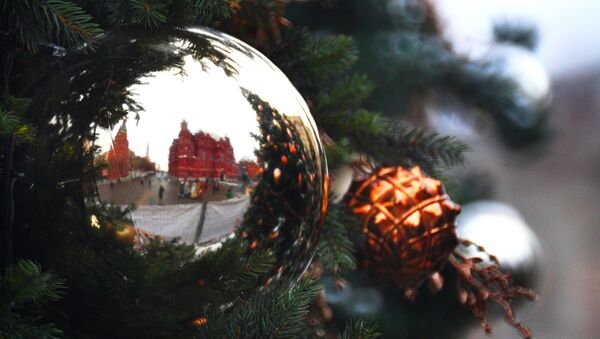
(186,223)
(221,217)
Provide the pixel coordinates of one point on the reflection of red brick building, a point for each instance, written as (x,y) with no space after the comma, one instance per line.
(118,155)
(201,155)
(250,167)
(121,161)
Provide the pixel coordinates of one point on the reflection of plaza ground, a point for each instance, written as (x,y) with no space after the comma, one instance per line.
(133,191)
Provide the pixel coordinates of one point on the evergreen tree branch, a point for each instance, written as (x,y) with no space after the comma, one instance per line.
(23,289)
(277,312)
(150,14)
(210,9)
(360,329)
(39,22)
(336,248)
(8,123)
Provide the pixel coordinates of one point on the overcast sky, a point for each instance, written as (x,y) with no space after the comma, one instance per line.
(570,29)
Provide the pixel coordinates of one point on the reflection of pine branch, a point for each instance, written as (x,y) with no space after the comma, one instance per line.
(203,49)
(285,205)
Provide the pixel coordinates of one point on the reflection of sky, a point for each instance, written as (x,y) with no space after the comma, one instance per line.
(209,101)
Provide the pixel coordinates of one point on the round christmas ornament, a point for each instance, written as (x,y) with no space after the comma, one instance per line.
(196,135)
(501,230)
(531,77)
(409,222)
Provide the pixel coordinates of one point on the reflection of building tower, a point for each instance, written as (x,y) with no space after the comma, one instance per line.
(118,156)
(183,162)
(224,164)
(201,155)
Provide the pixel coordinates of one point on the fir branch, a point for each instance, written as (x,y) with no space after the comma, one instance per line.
(277,312)
(77,24)
(210,9)
(149,14)
(326,55)
(255,267)
(25,282)
(8,123)
(23,288)
(390,142)
(336,248)
(395,143)
(39,22)
(118,12)
(345,94)
(360,329)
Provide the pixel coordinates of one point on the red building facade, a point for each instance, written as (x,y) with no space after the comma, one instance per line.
(118,155)
(201,155)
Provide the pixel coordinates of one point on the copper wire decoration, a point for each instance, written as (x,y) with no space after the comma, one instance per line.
(409,222)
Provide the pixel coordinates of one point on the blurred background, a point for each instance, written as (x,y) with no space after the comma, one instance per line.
(555,190)
(536,176)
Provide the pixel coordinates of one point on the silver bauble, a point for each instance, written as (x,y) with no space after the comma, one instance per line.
(501,230)
(195,135)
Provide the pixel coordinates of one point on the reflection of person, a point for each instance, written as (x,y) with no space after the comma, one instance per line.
(187,189)
(161,191)
(194,190)
(181,189)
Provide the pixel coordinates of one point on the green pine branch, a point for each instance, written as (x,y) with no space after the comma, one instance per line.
(397,143)
(345,94)
(323,56)
(8,123)
(35,22)
(360,329)
(210,9)
(277,312)
(149,14)
(23,289)
(336,248)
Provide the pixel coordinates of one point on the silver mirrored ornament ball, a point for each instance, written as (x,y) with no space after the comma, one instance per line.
(196,136)
(502,231)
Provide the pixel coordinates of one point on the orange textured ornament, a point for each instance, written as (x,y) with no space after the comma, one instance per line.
(409,222)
